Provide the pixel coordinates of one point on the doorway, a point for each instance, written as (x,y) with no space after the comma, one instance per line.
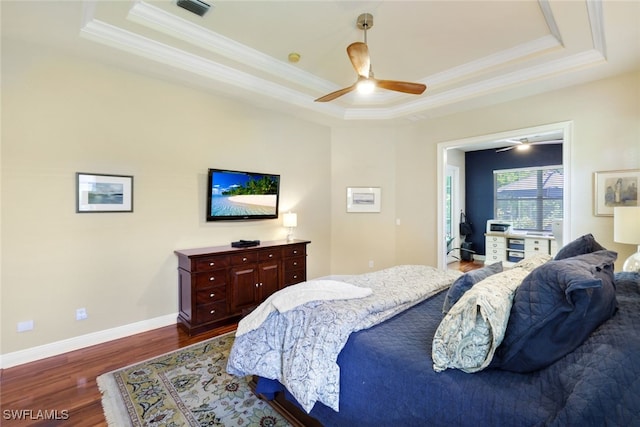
(450,152)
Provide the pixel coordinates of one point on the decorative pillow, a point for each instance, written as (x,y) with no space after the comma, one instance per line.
(582,245)
(466,281)
(555,309)
(472,330)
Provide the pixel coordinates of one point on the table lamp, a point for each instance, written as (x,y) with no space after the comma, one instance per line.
(290,221)
(626,229)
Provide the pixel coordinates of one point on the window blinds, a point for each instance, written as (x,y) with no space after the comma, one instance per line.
(531,198)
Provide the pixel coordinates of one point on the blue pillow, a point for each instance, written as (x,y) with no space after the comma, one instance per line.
(466,282)
(582,245)
(557,306)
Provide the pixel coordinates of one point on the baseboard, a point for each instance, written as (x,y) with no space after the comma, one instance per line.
(55,348)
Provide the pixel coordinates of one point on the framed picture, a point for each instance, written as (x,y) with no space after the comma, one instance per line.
(363,199)
(103,193)
(615,188)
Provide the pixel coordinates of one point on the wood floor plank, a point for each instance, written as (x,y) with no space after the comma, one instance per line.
(67,383)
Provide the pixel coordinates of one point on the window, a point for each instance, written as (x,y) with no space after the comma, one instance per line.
(530,198)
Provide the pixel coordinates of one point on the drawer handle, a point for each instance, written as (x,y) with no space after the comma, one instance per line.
(211,264)
(212,311)
(295,252)
(270,255)
(295,276)
(257,285)
(211,279)
(244,259)
(295,263)
(211,295)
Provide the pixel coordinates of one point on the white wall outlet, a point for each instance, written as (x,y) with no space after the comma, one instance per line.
(370,263)
(25,326)
(81,313)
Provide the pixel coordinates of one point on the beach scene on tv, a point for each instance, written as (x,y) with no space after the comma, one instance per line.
(239,194)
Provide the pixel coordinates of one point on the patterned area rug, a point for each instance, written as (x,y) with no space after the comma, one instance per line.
(188,387)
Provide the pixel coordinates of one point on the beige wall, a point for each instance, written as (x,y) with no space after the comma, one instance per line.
(606,136)
(363,156)
(63,115)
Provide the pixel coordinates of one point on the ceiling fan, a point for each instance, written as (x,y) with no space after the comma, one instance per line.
(359,55)
(525,144)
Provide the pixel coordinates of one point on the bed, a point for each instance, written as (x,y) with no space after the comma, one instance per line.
(388,376)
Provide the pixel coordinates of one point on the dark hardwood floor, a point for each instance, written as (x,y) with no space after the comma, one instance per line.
(65,385)
(465,266)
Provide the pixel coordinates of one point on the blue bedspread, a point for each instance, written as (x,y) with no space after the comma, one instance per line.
(300,347)
(387,378)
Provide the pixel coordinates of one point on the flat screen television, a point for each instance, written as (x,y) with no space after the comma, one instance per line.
(238,195)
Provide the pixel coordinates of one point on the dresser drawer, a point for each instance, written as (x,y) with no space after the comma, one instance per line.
(210,263)
(208,296)
(294,250)
(295,263)
(534,246)
(244,258)
(210,312)
(210,279)
(268,255)
(495,245)
(496,239)
(496,255)
(291,277)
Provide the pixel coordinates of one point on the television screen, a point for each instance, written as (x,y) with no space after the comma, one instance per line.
(242,195)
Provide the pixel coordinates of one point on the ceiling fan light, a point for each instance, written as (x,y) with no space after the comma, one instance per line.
(366,86)
(523,147)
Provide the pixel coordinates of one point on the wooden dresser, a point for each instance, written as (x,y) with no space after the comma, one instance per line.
(218,285)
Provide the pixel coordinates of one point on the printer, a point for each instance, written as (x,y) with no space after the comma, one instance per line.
(499,226)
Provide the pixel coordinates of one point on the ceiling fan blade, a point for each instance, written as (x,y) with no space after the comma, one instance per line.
(550,141)
(405,87)
(359,55)
(505,149)
(333,95)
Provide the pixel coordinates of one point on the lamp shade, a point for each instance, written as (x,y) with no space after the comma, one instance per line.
(290,220)
(626,225)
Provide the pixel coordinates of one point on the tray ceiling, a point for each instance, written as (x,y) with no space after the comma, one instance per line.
(468,53)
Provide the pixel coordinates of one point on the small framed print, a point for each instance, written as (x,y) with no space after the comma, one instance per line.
(615,188)
(103,193)
(363,199)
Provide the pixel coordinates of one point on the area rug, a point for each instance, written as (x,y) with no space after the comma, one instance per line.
(187,387)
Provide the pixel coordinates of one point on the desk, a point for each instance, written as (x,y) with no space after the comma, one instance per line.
(512,247)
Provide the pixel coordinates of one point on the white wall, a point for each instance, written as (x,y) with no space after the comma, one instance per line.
(63,115)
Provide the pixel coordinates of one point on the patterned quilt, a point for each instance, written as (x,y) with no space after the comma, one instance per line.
(300,347)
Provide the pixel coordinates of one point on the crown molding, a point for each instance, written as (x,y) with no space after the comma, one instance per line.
(596,21)
(157,19)
(172,25)
(559,66)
